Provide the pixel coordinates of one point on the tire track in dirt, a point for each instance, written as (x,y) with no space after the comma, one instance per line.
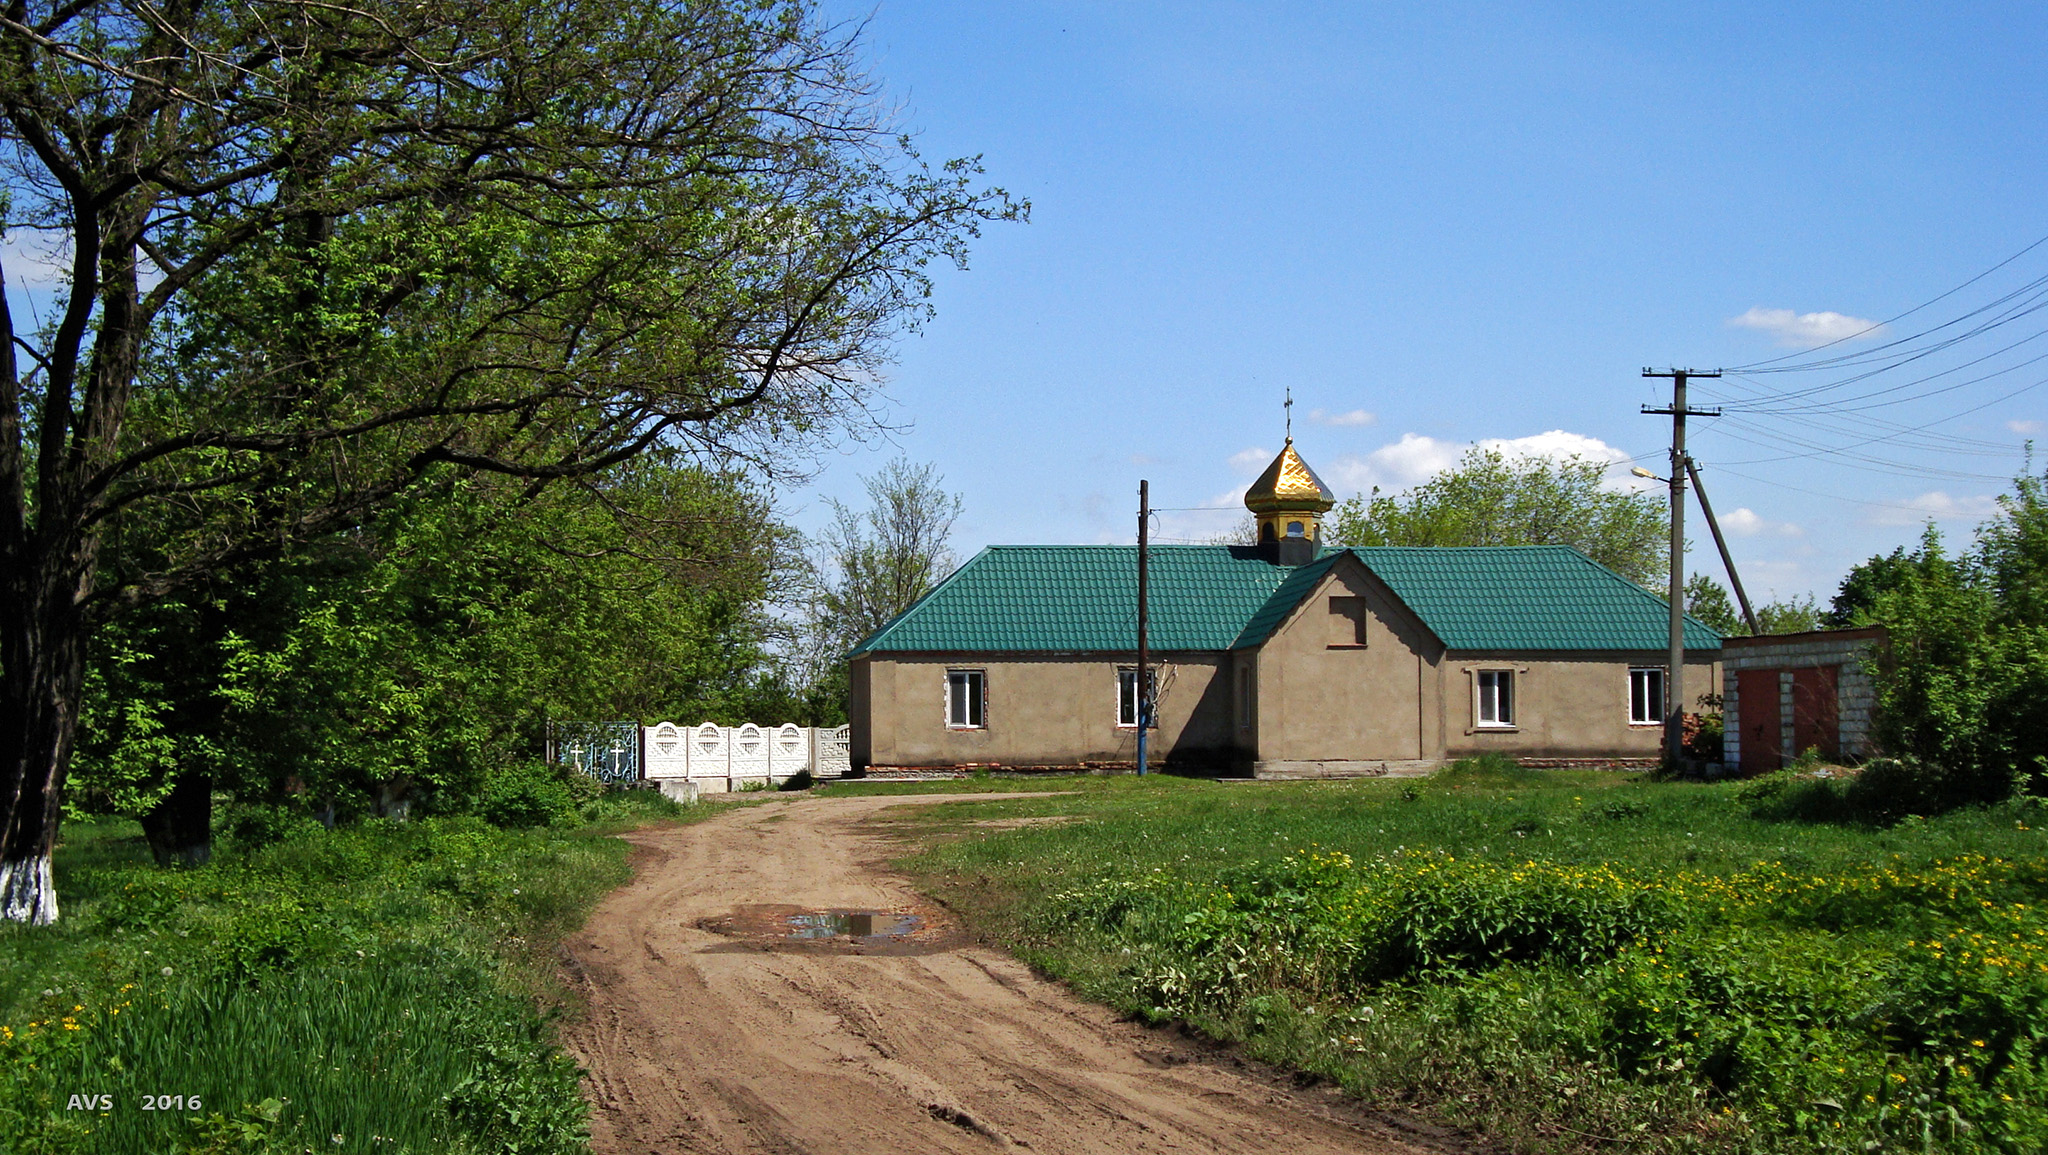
(702,1042)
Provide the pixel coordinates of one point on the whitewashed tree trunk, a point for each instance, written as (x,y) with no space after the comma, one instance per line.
(26,892)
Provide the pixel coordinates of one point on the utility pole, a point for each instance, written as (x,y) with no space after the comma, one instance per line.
(1142,688)
(1674,671)
(1721,543)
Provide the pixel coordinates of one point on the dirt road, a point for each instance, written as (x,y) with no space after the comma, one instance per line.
(709,1031)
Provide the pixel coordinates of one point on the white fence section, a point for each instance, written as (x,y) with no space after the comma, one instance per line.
(710,764)
(668,752)
(748,755)
(789,752)
(716,759)
(831,752)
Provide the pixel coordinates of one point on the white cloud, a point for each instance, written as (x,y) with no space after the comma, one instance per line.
(1939,506)
(1806,330)
(1250,461)
(1746,522)
(1418,457)
(1415,458)
(1356,418)
(34,259)
(2027,427)
(1557,444)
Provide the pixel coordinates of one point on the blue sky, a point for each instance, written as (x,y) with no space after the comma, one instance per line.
(1447,224)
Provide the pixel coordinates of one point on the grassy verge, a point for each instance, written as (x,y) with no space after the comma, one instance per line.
(374,988)
(1559,960)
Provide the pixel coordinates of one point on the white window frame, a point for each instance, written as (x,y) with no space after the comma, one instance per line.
(1126,702)
(1486,695)
(1638,675)
(975,700)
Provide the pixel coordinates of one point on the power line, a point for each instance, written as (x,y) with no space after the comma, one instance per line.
(1759,366)
(1830,496)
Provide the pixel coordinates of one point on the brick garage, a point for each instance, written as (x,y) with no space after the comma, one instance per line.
(1783,694)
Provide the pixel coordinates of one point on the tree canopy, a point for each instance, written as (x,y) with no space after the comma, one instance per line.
(1966,663)
(1491,498)
(319,258)
(869,565)
(1708,600)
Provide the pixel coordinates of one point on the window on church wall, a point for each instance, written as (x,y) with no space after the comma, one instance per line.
(1646,695)
(1127,697)
(966,699)
(1347,621)
(1296,529)
(1495,708)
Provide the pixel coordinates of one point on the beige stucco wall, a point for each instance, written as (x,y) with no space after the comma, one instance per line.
(1566,705)
(1316,696)
(1322,696)
(1043,710)
(1403,696)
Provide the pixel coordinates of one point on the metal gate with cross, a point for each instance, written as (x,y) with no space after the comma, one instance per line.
(608,751)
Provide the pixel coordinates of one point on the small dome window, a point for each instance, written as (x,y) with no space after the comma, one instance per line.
(1296,529)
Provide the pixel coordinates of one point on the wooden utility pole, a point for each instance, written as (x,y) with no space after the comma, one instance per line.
(1144,699)
(1721,543)
(1674,671)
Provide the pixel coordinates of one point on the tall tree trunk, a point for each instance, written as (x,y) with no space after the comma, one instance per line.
(42,679)
(179,829)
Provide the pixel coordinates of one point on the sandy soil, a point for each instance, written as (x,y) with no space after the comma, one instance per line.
(708,1031)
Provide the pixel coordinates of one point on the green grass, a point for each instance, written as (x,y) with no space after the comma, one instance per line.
(1560,960)
(383,987)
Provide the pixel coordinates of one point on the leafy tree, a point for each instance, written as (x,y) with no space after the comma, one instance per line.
(402,665)
(1493,499)
(1864,584)
(875,563)
(1940,673)
(2012,549)
(1706,600)
(1794,615)
(322,257)
(1965,669)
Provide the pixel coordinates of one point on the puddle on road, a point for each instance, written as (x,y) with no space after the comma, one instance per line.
(839,929)
(852,924)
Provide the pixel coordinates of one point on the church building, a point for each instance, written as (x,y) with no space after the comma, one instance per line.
(1281,659)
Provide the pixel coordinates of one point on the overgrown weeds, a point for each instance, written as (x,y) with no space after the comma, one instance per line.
(370,988)
(1561,960)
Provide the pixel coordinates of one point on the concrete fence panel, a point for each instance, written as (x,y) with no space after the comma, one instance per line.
(668,752)
(749,757)
(710,767)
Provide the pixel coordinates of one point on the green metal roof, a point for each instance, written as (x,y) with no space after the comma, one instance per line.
(1212,597)
(1085,597)
(1527,597)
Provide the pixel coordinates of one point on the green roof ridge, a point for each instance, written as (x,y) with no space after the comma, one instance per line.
(1082,598)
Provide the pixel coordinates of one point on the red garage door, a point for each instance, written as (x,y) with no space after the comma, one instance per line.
(1816,714)
(1756,706)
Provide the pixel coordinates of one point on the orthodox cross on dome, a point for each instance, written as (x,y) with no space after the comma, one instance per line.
(1288,499)
(1289,407)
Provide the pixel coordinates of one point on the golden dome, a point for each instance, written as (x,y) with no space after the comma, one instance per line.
(1289,485)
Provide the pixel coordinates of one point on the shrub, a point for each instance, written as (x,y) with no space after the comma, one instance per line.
(251,825)
(1703,734)
(1884,791)
(1485,769)
(524,794)
(1317,924)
